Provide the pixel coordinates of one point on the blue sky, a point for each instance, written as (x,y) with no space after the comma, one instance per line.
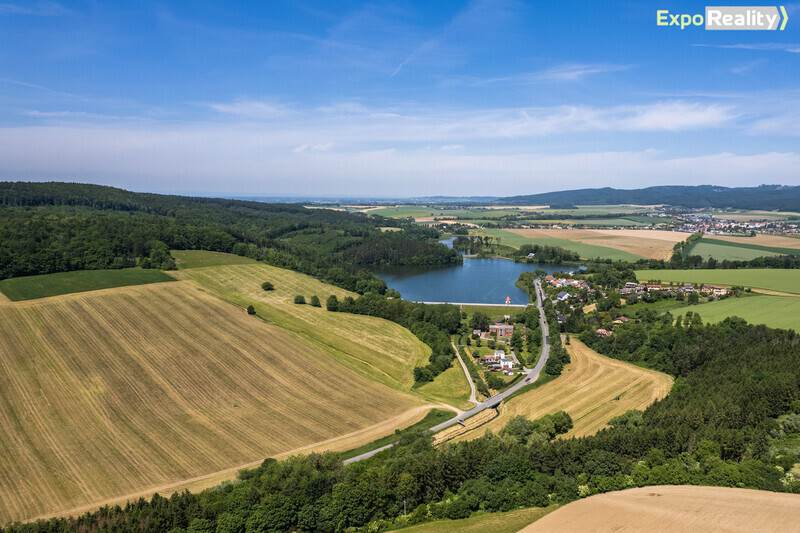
(488,97)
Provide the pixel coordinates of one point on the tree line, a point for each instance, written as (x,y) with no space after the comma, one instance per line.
(57,227)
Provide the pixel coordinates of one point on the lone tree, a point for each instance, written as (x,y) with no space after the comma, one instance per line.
(251,310)
(315,301)
(267,286)
(333,303)
(299,299)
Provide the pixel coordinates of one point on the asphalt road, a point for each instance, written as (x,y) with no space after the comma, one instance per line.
(495,400)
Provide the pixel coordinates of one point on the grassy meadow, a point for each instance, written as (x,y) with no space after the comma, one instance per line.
(509,522)
(105,394)
(198,259)
(739,250)
(787,281)
(42,286)
(774,311)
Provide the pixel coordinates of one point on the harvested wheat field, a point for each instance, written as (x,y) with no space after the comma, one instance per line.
(676,509)
(652,244)
(112,392)
(592,389)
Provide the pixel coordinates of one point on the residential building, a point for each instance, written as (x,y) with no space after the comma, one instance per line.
(502,331)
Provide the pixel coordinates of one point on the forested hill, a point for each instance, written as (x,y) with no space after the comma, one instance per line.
(56,227)
(767,197)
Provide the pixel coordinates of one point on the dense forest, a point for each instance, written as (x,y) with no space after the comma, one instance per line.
(56,227)
(766,197)
(736,395)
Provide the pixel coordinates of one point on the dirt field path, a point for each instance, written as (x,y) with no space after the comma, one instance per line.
(676,509)
(592,389)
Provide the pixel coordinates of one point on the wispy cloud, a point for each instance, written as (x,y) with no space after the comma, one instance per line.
(478,16)
(570,72)
(247,108)
(793,48)
(576,72)
(41,9)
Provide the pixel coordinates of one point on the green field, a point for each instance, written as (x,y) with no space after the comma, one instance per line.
(493,311)
(509,522)
(31,287)
(757,278)
(735,251)
(774,311)
(587,251)
(201,258)
(450,387)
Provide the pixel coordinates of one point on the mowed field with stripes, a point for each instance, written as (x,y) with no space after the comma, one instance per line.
(126,391)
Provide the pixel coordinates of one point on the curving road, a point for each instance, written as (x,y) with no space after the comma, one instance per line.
(494,401)
(532,374)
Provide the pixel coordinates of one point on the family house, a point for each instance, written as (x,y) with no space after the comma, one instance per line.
(506,363)
(563,296)
(603,332)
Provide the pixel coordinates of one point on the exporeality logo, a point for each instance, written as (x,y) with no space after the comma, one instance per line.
(728,18)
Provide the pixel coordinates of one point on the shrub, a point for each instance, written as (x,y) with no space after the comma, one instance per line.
(299,299)
(333,303)
(251,310)
(494,381)
(267,286)
(315,301)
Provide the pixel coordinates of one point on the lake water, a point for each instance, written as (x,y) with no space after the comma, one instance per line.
(486,281)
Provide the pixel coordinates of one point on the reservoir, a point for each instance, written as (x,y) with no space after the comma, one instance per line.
(486,281)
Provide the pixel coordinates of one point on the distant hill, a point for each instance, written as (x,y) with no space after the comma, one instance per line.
(766,197)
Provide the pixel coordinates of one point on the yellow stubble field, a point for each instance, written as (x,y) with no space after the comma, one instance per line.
(592,389)
(112,392)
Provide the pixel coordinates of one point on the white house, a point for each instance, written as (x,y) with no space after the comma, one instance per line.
(506,363)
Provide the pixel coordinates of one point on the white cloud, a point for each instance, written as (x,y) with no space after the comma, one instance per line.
(246,108)
(793,48)
(229,159)
(576,72)
(41,9)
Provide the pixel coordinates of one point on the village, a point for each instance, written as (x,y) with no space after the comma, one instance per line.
(631,290)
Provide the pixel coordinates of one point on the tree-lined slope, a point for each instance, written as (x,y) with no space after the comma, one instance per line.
(110,392)
(783,198)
